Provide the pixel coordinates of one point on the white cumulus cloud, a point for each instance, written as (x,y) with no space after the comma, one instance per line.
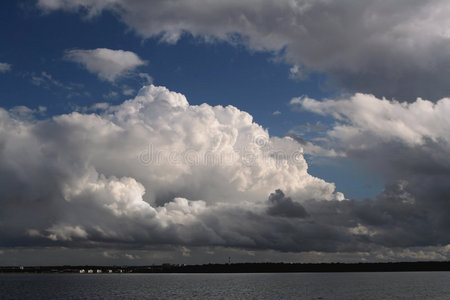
(107,64)
(153,170)
(365,120)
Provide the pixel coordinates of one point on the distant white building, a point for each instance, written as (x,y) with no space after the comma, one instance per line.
(90,271)
(82,271)
(99,271)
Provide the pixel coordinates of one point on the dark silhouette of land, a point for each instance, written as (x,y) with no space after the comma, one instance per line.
(239,268)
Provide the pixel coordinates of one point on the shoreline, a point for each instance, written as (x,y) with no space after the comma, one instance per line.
(234,268)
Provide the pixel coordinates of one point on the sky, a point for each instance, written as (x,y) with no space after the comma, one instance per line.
(145,132)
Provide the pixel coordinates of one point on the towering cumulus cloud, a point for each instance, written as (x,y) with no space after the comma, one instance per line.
(157,171)
(153,170)
(371,46)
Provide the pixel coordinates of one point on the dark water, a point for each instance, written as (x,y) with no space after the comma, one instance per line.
(402,285)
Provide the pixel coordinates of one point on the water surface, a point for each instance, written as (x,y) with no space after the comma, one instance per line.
(398,285)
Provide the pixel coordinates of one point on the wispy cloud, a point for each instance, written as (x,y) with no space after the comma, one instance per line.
(4,67)
(46,80)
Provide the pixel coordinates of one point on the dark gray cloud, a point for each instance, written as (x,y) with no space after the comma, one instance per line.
(388,48)
(408,145)
(284,206)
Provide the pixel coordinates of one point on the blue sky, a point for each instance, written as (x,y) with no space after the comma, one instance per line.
(98,145)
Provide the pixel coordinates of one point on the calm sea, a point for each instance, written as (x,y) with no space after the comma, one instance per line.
(402,285)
